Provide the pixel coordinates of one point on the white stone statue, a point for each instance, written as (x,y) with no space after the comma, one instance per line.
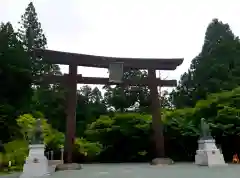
(208,154)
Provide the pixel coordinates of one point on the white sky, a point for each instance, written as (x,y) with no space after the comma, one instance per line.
(127,28)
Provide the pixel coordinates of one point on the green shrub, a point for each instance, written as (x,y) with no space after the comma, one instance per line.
(89,149)
(52,138)
(15,151)
(124,136)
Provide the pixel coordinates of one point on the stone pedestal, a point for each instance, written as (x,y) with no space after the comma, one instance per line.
(36,163)
(208,154)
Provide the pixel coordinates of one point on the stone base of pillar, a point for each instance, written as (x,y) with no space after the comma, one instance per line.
(68,166)
(162,161)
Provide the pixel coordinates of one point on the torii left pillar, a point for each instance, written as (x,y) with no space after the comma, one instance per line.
(71,112)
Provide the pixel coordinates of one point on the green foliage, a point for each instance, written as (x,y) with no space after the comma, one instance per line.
(126,124)
(26,123)
(16,152)
(89,149)
(123,136)
(214,70)
(122,98)
(15,78)
(182,122)
(52,137)
(31,35)
(47,99)
(222,111)
(89,107)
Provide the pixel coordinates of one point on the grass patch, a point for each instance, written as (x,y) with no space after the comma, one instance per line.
(4,172)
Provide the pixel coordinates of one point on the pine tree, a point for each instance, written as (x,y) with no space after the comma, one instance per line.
(48,99)
(32,36)
(215,69)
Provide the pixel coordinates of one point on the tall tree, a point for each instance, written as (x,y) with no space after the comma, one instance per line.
(32,36)
(213,70)
(15,79)
(48,99)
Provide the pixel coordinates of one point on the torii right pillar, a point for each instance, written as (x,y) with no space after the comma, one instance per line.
(157,125)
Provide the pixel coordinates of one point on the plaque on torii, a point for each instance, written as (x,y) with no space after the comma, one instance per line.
(116,72)
(116,67)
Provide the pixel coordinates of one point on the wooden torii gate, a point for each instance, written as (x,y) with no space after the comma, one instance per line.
(72,79)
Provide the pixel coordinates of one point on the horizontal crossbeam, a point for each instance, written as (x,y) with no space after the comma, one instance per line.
(66,58)
(105,81)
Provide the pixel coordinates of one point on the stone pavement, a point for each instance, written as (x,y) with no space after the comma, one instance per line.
(144,170)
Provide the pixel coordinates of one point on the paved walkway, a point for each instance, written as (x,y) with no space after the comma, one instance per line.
(147,171)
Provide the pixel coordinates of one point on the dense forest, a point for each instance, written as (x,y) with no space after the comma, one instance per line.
(107,130)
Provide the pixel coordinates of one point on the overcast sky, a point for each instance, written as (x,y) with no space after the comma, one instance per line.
(127,28)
